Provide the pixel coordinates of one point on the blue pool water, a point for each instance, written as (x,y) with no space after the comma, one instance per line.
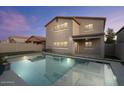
(42,72)
(50,70)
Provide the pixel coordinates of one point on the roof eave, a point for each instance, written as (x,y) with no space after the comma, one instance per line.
(73,17)
(62,17)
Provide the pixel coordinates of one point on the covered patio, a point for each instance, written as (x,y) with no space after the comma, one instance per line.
(87,45)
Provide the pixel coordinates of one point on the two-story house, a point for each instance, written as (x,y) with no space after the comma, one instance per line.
(76,35)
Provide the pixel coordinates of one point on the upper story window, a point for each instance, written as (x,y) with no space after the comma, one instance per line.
(88,44)
(89,27)
(55,43)
(61,26)
(65,43)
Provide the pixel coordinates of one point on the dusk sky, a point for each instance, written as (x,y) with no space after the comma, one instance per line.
(27,21)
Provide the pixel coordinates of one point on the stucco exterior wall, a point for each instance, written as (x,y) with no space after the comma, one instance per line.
(109,50)
(75,28)
(94,50)
(98,26)
(17,47)
(119,50)
(119,46)
(120,37)
(53,36)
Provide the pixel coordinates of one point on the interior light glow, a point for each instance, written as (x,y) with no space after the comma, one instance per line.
(26,59)
(19,75)
(68,60)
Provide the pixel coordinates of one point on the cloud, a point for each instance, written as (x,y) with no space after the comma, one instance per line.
(13,21)
(34,18)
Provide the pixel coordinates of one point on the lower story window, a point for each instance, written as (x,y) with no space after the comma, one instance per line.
(63,44)
(88,44)
(55,43)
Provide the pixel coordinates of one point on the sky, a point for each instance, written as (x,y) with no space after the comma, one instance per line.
(27,21)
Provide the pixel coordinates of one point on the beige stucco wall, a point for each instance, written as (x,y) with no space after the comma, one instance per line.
(52,36)
(98,26)
(16,47)
(75,28)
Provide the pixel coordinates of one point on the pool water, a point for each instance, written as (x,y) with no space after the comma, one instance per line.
(55,70)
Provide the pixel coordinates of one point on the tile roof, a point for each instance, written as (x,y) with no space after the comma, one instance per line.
(38,37)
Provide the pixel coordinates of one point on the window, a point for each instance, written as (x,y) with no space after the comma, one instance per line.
(55,44)
(61,43)
(89,27)
(88,44)
(65,24)
(58,43)
(60,26)
(65,43)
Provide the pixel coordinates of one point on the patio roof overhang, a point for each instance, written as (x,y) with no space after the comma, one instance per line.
(87,37)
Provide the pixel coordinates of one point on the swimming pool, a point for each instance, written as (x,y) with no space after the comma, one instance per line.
(57,70)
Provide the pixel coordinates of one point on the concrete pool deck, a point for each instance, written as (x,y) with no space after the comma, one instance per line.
(117,67)
(91,74)
(10,78)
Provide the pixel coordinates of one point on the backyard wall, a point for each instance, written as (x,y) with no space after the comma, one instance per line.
(109,50)
(120,50)
(17,47)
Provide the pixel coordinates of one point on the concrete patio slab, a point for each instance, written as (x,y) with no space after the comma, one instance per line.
(9,78)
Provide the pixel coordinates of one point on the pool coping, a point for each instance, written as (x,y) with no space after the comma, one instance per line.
(117,67)
(14,56)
